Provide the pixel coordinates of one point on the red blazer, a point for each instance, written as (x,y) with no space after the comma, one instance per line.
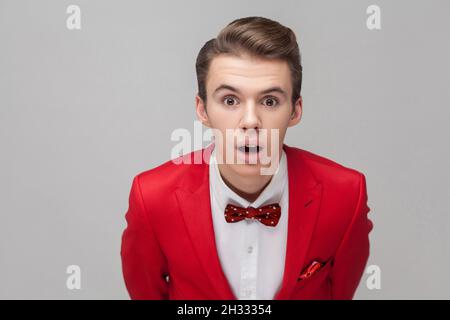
(170,231)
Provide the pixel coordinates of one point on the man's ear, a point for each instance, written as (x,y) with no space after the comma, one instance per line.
(200,108)
(297,112)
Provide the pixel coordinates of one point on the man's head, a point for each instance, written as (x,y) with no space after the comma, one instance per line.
(249,79)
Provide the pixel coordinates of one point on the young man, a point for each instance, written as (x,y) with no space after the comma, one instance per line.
(223,229)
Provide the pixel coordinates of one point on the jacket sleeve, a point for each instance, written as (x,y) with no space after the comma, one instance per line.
(144,265)
(353,252)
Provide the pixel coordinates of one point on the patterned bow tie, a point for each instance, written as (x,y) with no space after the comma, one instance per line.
(268,215)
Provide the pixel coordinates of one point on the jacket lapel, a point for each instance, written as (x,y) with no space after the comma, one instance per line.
(304,200)
(193,197)
(195,205)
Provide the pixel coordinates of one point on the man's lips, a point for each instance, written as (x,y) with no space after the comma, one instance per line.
(249,145)
(252,142)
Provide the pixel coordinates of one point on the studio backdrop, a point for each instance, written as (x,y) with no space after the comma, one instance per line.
(91,93)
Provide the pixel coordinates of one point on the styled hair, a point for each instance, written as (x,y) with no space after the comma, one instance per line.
(258,37)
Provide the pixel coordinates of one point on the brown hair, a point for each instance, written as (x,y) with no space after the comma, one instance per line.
(257,36)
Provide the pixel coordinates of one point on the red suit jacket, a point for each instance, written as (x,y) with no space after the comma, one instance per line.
(168,248)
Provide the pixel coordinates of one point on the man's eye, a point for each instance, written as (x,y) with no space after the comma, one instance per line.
(228,100)
(271,102)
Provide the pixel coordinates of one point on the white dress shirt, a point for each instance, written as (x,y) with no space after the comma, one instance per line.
(252,254)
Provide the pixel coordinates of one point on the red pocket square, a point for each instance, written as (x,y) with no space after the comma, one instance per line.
(311,269)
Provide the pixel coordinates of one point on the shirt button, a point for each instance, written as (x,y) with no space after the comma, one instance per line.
(250,249)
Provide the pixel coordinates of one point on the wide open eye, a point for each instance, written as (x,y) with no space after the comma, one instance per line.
(228,100)
(271,102)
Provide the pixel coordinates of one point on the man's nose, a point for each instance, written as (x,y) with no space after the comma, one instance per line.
(250,118)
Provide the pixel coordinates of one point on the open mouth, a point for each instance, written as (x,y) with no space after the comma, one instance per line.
(250,149)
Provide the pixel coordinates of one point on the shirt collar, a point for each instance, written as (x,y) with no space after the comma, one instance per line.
(271,193)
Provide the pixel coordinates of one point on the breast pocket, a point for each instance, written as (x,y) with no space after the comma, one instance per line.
(318,277)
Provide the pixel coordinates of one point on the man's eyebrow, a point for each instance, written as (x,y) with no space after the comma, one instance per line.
(231,88)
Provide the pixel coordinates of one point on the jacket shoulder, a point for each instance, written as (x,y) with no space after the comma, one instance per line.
(344,191)
(341,183)
(329,171)
(168,175)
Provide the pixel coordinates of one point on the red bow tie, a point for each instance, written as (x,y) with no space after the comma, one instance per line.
(268,215)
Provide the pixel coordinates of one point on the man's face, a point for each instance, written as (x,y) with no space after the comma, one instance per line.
(244,95)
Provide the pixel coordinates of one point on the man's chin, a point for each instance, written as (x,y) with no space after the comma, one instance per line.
(246,170)
(249,170)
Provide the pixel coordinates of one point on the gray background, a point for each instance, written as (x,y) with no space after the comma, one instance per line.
(83,111)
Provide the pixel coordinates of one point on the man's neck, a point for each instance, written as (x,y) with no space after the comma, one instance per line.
(248,188)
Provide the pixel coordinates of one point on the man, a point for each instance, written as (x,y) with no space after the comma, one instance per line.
(223,229)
